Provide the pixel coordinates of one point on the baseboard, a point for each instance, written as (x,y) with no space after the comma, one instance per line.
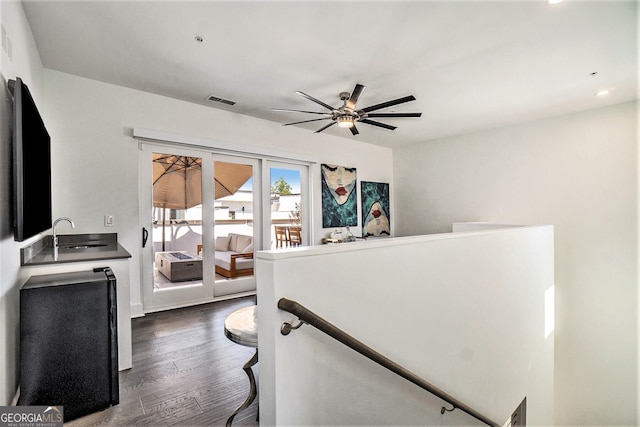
(137,310)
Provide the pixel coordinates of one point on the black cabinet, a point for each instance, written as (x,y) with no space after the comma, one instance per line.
(69,341)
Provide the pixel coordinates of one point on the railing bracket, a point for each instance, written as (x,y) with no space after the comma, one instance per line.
(443,409)
(287,327)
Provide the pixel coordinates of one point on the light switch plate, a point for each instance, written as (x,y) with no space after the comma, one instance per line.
(108,220)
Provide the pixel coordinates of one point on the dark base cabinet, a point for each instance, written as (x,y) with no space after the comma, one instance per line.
(69,342)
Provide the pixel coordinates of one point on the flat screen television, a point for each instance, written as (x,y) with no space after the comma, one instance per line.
(31,166)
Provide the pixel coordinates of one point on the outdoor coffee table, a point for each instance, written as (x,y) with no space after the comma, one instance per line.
(179,265)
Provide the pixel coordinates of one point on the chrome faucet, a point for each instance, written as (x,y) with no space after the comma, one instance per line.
(55,236)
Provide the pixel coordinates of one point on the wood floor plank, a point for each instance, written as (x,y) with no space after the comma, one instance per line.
(185,372)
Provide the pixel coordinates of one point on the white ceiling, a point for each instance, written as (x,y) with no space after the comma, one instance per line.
(471,65)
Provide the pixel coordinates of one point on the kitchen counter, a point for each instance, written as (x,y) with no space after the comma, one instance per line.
(73,248)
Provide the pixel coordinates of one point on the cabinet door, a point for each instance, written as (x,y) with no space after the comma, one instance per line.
(65,347)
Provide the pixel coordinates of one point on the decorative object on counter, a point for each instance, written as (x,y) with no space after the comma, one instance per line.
(339,196)
(334,237)
(348,236)
(55,236)
(330,240)
(338,236)
(375,209)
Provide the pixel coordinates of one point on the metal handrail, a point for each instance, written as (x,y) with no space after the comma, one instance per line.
(307,316)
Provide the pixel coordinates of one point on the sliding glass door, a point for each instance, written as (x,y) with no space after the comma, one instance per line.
(206,213)
(198,212)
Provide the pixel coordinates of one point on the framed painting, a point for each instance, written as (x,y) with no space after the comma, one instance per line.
(339,196)
(375,209)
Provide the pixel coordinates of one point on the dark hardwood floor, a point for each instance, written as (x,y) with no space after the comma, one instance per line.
(185,372)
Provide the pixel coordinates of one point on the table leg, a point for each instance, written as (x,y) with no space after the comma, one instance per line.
(252,387)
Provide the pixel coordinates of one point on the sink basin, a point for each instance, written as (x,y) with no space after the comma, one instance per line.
(84,246)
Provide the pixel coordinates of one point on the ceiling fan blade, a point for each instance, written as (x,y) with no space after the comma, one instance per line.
(353,130)
(389,103)
(353,100)
(306,121)
(317,101)
(324,127)
(382,125)
(394,115)
(298,111)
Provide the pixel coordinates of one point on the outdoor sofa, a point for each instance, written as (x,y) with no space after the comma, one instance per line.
(234,255)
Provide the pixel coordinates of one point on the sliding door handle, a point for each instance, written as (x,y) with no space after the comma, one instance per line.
(145,236)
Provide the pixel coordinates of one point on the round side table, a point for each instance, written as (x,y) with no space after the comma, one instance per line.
(241,327)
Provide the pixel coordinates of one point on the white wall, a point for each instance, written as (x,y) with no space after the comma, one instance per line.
(465,311)
(579,173)
(95,158)
(24,63)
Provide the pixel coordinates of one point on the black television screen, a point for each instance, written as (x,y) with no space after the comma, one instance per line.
(31,166)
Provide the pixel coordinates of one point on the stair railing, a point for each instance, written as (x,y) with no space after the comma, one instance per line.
(306,316)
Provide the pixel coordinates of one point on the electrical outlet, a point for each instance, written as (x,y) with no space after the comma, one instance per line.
(108,220)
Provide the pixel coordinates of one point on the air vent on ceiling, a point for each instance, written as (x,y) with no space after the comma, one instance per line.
(220,100)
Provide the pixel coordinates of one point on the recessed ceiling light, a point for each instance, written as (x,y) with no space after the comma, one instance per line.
(604,92)
(553,1)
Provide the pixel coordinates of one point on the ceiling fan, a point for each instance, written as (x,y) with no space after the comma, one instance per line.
(347,115)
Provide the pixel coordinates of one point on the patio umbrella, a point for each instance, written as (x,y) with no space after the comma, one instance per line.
(229,177)
(177,181)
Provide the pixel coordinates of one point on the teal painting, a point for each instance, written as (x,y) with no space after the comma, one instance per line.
(375,209)
(339,196)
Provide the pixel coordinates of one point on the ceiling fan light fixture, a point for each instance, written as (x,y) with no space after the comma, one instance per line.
(345,121)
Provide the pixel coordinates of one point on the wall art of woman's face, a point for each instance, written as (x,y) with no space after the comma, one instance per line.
(340,180)
(376,222)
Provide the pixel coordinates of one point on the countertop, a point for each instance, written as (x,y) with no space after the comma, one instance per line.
(73,248)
